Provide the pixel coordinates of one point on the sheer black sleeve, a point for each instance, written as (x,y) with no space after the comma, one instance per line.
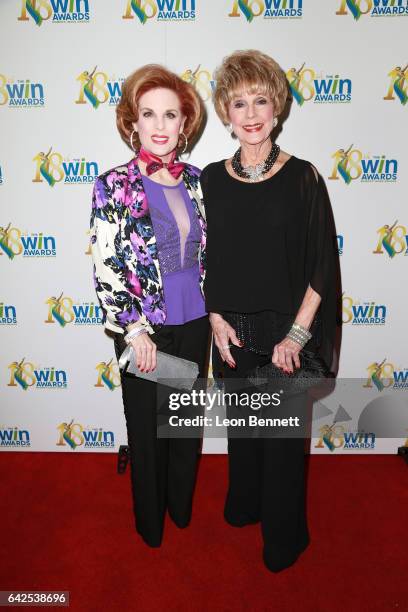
(204,181)
(321,264)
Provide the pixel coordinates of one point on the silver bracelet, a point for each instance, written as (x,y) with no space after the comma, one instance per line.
(299,334)
(297,339)
(133,333)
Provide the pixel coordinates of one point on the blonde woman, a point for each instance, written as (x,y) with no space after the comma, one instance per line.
(269,289)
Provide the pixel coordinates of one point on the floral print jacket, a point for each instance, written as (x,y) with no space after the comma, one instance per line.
(124,250)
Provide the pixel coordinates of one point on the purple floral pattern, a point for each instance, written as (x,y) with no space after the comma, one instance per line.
(124,250)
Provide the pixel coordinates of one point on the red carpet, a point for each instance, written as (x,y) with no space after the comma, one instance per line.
(67,525)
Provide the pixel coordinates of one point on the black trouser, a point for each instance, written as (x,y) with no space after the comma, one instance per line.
(266,478)
(163,471)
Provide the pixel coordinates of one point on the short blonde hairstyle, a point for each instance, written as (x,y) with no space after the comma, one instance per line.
(250,72)
(150,77)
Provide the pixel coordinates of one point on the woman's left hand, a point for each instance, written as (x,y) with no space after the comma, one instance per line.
(285,354)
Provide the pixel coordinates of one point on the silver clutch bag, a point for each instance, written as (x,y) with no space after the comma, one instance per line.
(170,370)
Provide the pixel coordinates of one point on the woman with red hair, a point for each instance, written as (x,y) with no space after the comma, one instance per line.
(148,246)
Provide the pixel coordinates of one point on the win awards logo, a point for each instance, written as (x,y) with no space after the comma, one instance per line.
(54,168)
(74,434)
(14,437)
(59,11)
(392,239)
(306,85)
(352,164)
(8,314)
(25,374)
(96,88)
(14,242)
(398,85)
(363,313)
(201,80)
(20,93)
(161,10)
(64,310)
(385,375)
(108,375)
(374,8)
(335,437)
(268,9)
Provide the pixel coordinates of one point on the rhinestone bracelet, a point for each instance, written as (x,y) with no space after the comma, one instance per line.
(300,331)
(299,334)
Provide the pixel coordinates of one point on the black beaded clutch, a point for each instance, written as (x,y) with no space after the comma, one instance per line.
(271,378)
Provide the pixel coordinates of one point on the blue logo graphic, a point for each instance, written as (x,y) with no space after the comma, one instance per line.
(14,437)
(25,374)
(59,11)
(358,439)
(268,9)
(352,164)
(335,437)
(363,312)
(374,8)
(74,434)
(400,379)
(53,168)
(307,84)
(64,310)
(21,93)
(385,375)
(14,242)
(97,88)
(161,10)
(8,314)
(340,243)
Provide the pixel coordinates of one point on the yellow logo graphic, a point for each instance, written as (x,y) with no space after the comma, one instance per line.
(108,375)
(22,374)
(143,9)
(392,239)
(10,241)
(64,310)
(347,164)
(398,85)
(75,434)
(332,436)
(49,167)
(97,88)
(53,168)
(60,309)
(380,374)
(202,81)
(71,434)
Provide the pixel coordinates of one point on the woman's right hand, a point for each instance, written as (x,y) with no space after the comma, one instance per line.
(224,336)
(145,352)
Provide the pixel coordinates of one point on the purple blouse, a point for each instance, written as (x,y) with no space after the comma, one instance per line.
(178,236)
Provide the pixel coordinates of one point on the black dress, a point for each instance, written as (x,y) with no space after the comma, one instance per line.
(266,243)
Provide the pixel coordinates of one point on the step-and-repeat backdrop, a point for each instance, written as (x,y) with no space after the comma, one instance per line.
(62,67)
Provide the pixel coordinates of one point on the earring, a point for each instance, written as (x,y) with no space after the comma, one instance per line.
(229,128)
(131,140)
(275,122)
(185,143)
